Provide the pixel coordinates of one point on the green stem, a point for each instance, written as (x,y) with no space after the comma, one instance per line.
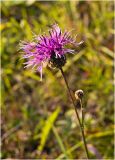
(80,124)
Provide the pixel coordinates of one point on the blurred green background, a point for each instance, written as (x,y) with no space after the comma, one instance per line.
(38,119)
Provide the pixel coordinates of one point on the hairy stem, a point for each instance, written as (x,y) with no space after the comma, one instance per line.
(80,123)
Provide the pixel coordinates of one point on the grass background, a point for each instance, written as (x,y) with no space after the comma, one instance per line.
(38,119)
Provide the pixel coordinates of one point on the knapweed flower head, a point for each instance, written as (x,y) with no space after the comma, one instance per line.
(51,48)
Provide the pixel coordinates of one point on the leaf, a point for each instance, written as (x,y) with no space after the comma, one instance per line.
(47,128)
(31,75)
(107,51)
(59,140)
(96,135)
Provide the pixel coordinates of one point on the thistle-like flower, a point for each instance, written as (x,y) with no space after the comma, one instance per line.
(50,48)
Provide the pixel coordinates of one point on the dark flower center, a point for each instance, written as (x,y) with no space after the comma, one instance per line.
(57,62)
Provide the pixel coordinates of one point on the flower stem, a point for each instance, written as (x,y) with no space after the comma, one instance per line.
(80,124)
(82,113)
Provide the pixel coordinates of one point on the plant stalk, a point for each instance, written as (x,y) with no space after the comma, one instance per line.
(82,113)
(80,124)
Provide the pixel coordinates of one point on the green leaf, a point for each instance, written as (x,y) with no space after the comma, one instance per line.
(59,140)
(47,128)
(31,75)
(96,135)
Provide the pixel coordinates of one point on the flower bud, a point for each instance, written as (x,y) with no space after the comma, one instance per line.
(79,94)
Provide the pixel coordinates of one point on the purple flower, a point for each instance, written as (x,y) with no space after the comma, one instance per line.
(44,47)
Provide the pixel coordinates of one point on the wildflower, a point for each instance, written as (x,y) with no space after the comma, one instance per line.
(48,48)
